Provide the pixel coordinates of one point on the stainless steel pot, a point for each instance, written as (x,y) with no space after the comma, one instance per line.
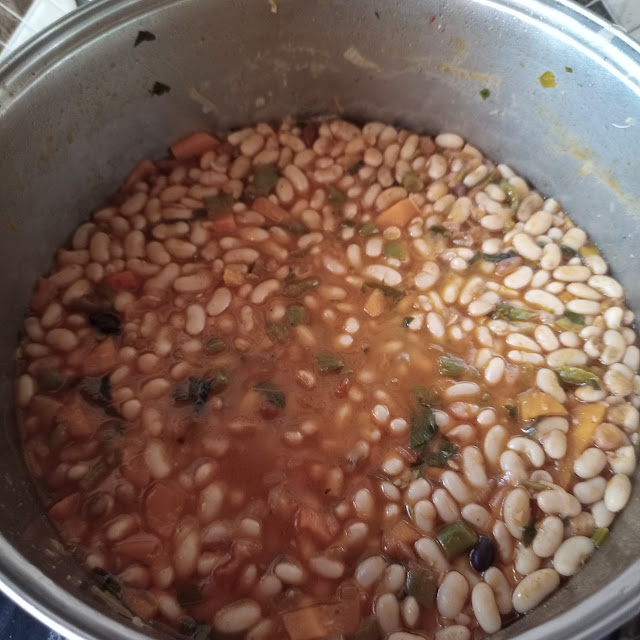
(76,112)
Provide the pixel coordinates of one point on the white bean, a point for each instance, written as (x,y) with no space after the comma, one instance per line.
(452,595)
(572,554)
(485,608)
(617,493)
(534,588)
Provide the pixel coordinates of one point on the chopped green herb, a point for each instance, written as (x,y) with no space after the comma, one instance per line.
(451,366)
(144,36)
(485,93)
(456,538)
(512,411)
(98,391)
(600,536)
(197,390)
(498,257)
(407,320)
(578,375)
(529,532)
(388,291)
(264,180)
(422,584)
(336,196)
(296,314)
(347,223)
(272,393)
(568,252)
(437,228)
(394,250)
(412,182)
(219,203)
(568,69)
(107,582)
(214,345)
(328,363)
(277,332)
(355,167)
(547,80)
(505,311)
(511,193)
(576,318)
(199,214)
(188,595)
(294,227)
(439,458)
(368,229)
(423,428)
(159,88)
(294,287)
(534,486)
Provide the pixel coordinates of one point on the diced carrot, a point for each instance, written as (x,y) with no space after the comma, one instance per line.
(141,602)
(533,404)
(43,294)
(399,540)
(164,503)
(585,419)
(139,546)
(81,421)
(322,526)
(122,281)
(193,145)
(223,222)
(103,358)
(269,210)
(374,304)
(66,507)
(322,621)
(142,170)
(398,214)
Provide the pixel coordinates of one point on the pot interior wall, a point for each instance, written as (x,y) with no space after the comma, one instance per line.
(77,112)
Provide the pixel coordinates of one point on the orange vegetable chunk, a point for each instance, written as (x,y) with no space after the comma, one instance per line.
(398,214)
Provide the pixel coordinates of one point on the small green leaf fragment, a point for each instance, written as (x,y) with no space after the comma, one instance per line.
(505,311)
(219,202)
(529,532)
(512,411)
(577,375)
(412,182)
(407,320)
(423,428)
(568,252)
(547,80)
(277,332)
(294,287)
(272,393)
(451,366)
(368,229)
(485,93)
(355,167)
(336,196)
(498,257)
(600,536)
(576,318)
(214,345)
(568,69)
(296,315)
(511,193)
(394,250)
(264,179)
(437,228)
(328,363)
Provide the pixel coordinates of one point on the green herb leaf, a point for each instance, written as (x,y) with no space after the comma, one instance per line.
(197,390)
(388,291)
(294,287)
(277,332)
(219,203)
(272,393)
(456,538)
(412,182)
(355,167)
(407,320)
(422,584)
(600,536)
(529,532)
(568,69)
(328,363)
(577,375)
(534,486)
(568,252)
(368,229)
(264,180)
(485,93)
(423,428)
(437,228)
(107,582)
(394,250)
(511,193)
(144,36)
(336,196)
(498,257)
(439,458)
(512,411)
(294,227)
(214,345)
(451,366)
(505,311)
(159,88)
(296,315)
(426,397)
(576,318)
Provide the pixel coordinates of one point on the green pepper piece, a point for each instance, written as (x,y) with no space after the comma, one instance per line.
(529,532)
(422,584)
(511,193)
(336,196)
(534,486)
(576,375)
(368,229)
(214,345)
(412,182)
(394,250)
(437,228)
(294,287)
(423,428)
(328,363)
(568,252)
(219,203)
(576,318)
(505,311)
(277,332)
(272,393)
(456,538)
(296,314)
(451,366)
(264,179)
(599,536)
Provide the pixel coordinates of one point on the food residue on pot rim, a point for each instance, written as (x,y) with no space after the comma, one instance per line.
(547,80)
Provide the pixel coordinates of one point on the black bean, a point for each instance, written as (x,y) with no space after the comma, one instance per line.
(106,322)
(483,554)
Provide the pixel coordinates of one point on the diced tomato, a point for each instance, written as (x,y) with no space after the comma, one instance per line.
(122,281)
(142,170)
(193,145)
(164,503)
(103,358)
(269,209)
(342,389)
(223,222)
(322,526)
(81,421)
(139,546)
(398,541)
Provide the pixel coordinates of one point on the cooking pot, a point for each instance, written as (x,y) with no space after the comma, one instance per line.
(83,101)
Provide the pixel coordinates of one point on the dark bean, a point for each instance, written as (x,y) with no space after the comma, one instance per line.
(106,322)
(459,190)
(309,134)
(483,554)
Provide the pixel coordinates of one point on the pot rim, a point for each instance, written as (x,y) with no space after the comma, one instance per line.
(49,602)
